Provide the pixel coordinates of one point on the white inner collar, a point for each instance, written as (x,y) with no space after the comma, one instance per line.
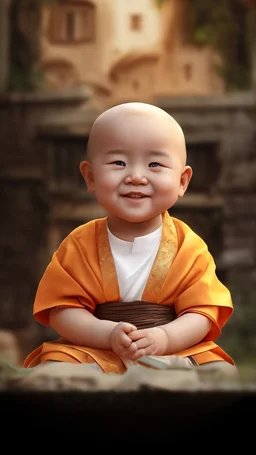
(139,244)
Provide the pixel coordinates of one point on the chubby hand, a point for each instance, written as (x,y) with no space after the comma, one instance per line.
(121,343)
(153,341)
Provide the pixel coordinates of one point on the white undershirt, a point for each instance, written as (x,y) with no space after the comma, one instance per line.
(133,262)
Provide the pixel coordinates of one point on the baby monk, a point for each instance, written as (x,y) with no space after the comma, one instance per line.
(137,285)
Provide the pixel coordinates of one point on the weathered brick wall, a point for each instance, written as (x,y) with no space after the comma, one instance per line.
(227,121)
(25,204)
(231,122)
(238,183)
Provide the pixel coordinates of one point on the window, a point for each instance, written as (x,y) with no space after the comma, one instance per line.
(62,157)
(72,22)
(136,22)
(188,71)
(70,26)
(202,206)
(205,176)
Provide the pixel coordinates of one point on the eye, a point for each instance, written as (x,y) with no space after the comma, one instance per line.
(119,163)
(154,164)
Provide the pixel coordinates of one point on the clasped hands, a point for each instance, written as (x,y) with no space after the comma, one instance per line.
(130,343)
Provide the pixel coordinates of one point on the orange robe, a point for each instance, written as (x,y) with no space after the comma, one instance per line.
(82,274)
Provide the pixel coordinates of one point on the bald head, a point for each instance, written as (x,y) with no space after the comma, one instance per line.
(119,115)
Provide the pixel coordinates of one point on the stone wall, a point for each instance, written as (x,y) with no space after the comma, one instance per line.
(238,183)
(26,203)
(230,121)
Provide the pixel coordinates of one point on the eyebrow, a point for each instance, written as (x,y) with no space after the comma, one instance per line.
(114,152)
(151,153)
(158,153)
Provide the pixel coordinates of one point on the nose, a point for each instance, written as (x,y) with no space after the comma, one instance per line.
(136,178)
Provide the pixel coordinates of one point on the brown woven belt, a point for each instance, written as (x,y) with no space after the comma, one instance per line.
(139,313)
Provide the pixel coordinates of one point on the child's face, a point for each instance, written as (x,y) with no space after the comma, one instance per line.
(138,168)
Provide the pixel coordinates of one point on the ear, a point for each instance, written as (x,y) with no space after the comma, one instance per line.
(87,174)
(185,179)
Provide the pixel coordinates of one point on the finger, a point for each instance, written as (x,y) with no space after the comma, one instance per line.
(143,343)
(134,353)
(131,350)
(127,327)
(137,335)
(125,341)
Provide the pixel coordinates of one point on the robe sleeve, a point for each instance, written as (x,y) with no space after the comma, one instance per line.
(192,284)
(203,293)
(70,280)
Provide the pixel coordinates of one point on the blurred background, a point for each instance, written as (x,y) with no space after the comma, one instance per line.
(63,62)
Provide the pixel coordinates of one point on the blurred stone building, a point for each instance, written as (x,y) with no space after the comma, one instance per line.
(119,49)
(93,55)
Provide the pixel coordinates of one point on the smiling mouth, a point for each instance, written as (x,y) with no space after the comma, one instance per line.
(135,195)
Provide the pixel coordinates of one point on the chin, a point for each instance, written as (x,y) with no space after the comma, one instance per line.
(137,219)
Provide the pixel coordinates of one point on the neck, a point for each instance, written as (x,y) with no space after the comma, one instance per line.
(128,231)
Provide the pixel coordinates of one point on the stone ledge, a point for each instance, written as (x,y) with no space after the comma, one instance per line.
(237,100)
(83,378)
(76,400)
(70,95)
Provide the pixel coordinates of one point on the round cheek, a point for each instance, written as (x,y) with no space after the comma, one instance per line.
(168,189)
(104,185)
(110,179)
(166,183)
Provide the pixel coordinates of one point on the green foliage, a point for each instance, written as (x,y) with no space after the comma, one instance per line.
(159,3)
(25,48)
(21,80)
(222,25)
